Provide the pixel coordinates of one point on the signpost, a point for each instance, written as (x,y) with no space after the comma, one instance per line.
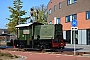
(74,28)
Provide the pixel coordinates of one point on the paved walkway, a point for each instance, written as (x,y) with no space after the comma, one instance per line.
(79,48)
(46,56)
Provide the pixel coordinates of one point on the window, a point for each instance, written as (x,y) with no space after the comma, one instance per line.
(26,31)
(75,0)
(71,1)
(58,20)
(50,11)
(71,17)
(68,18)
(50,22)
(74,17)
(59,5)
(54,7)
(47,13)
(88,15)
(68,2)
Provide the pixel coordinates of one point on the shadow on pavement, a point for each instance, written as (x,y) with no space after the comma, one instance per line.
(72,49)
(4,47)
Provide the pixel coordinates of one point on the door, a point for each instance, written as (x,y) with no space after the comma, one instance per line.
(88,37)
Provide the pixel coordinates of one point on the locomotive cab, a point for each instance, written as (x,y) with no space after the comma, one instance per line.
(58,42)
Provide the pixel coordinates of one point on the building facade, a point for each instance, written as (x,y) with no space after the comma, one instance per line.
(64,11)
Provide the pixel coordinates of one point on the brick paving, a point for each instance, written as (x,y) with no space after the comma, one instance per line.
(46,56)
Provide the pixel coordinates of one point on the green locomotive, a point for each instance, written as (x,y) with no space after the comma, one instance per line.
(37,35)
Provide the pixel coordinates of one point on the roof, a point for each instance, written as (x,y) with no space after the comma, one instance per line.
(26,25)
(23,25)
(4,31)
(5,35)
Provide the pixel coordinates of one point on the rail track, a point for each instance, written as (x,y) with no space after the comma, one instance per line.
(47,51)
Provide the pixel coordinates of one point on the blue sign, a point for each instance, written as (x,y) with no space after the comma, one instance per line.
(74,23)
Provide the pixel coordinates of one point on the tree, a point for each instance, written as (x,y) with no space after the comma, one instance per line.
(16,16)
(40,14)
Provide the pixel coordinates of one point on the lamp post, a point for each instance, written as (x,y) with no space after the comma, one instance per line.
(31,16)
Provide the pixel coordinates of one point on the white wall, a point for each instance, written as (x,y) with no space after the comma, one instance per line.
(55,20)
(64,34)
(82,37)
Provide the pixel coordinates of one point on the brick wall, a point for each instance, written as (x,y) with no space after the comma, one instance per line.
(82,22)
